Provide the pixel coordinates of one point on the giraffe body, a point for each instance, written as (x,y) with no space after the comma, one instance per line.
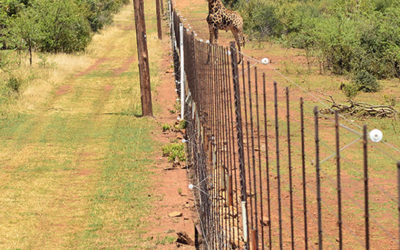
(220,18)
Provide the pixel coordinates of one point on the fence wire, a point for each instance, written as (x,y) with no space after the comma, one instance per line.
(268,169)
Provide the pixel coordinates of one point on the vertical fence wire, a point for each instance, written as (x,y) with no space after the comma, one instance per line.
(267,165)
(303,167)
(318,177)
(366,193)
(339,183)
(290,166)
(278,173)
(244,197)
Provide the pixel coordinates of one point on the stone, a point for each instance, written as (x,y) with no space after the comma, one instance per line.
(184,238)
(175,214)
(265,221)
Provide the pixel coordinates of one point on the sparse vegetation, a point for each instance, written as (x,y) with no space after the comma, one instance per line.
(181,125)
(166,127)
(174,151)
(14,84)
(350,37)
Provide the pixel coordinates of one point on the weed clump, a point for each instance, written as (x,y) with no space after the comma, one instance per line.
(181,125)
(174,151)
(14,84)
(166,127)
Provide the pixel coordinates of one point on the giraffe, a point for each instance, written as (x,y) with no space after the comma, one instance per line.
(220,18)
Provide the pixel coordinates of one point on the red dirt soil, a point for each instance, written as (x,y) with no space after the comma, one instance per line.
(352,189)
(125,66)
(92,67)
(171,186)
(64,89)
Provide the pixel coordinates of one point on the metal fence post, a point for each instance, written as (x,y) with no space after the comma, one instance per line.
(366,191)
(318,178)
(182,83)
(398,192)
(239,130)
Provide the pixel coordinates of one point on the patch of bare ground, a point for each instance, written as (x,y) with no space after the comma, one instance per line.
(64,89)
(125,66)
(92,67)
(171,184)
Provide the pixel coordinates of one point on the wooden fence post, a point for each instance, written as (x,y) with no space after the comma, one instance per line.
(143,57)
(159,29)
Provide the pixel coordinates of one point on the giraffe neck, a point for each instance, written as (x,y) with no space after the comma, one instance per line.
(214,5)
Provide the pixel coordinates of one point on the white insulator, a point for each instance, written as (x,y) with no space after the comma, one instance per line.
(376,135)
(265,61)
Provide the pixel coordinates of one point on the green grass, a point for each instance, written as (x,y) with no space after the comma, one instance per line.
(123,187)
(75,166)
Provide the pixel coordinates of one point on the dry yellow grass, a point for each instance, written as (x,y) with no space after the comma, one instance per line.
(74,160)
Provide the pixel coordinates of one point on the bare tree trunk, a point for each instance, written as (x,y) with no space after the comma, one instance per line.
(30,52)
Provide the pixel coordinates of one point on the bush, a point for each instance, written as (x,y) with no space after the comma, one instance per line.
(348,37)
(14,84)
(100,11)
(64,25)
(350,90)
(230,3)
(366,82)
(260,19)
(53,25)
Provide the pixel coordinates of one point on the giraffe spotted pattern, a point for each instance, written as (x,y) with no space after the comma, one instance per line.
(220,18)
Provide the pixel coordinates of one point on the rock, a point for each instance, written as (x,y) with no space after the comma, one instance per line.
(184,238)
(176,163)
(175,214)
(265,221)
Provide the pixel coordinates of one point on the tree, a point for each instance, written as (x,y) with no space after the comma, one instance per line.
(65,26)
(25,31)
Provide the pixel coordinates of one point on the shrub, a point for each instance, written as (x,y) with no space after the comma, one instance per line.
(260,19)
(100,11)
(366,82)
(174,151)
(181,125)
(348,36)
(350,90)
(230,3)
(166,127)
(14,84)
(53,25)
(64,25)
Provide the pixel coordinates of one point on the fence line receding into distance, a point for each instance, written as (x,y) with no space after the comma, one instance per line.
(269,169)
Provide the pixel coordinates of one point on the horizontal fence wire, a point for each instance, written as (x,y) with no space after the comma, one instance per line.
(269,170)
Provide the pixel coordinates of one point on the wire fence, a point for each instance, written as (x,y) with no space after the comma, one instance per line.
(269,168)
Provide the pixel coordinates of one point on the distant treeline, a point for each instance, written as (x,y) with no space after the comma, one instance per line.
(349,36)
(53,25)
